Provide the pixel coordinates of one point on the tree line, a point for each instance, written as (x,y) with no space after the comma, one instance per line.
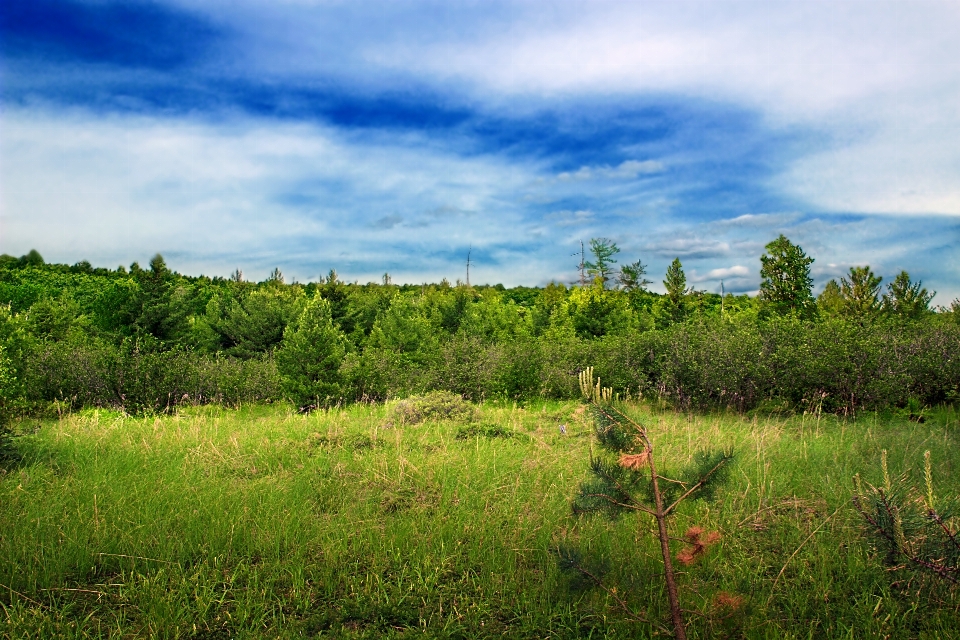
(149,339)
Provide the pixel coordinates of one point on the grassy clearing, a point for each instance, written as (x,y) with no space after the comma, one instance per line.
(261,522)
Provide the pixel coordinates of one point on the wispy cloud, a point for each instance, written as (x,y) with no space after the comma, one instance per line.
(626,170)
(570,218)
(736,271)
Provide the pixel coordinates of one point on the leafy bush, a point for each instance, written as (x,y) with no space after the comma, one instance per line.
(436,405)
(470,367)
(8,452)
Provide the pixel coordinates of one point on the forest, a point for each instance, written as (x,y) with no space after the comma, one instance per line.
(150,339)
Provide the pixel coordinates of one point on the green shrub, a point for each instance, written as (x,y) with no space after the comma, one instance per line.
(8,452)
(436,405)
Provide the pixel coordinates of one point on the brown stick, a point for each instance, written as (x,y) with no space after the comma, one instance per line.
(679,630)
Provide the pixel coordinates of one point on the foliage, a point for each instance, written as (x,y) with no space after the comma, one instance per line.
(631,277)
(469,432)
(674,308)
(786,282)
(601,267)
(433,406)
(628,481)
(79,336)
(860,295)
(310,356)
(918,530)
(252,322)
(8,452)
(830,300)
(596,312)
(907,299)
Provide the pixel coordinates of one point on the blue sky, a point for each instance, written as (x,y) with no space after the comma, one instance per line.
(396,136)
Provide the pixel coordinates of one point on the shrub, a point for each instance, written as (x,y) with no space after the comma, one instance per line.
(436,405)
(8,452)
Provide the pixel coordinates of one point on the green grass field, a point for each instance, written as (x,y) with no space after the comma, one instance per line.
(262,523)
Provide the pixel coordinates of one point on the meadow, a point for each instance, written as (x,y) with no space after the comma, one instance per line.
(261,522)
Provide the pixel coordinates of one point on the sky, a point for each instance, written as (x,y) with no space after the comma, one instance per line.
(399,137)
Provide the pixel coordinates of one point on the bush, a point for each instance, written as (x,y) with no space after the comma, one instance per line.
(834,365)
(8,452)
(436,405)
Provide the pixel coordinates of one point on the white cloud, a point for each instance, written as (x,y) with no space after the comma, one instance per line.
(737,271)
(626,170)
(878,82)
(908,164)
(570,218)
(692,246)
(112,189)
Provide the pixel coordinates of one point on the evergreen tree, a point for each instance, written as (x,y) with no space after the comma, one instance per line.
(156,287)
(906,299)
(253,323)
(310,355)
(631,277)
(860,294)
(675,303)
(625,479)
(603,251)
(32,259)
(786,287)
(830,302)
(275,278)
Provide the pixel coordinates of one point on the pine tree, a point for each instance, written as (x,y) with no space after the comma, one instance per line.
(631,277)
(906,299)
(603,251)
(786,287)
(675,283)
(310,355)
(626,479)
(861,293)
(916,527)
(156,286)
(830,301)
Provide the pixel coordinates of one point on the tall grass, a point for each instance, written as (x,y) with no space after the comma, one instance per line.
(261,522)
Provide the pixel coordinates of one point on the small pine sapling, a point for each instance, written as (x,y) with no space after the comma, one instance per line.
(627,480)
(917,529)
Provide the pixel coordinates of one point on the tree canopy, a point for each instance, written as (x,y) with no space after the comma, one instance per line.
(786,286)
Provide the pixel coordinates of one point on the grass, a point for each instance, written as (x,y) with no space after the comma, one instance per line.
(263,523)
